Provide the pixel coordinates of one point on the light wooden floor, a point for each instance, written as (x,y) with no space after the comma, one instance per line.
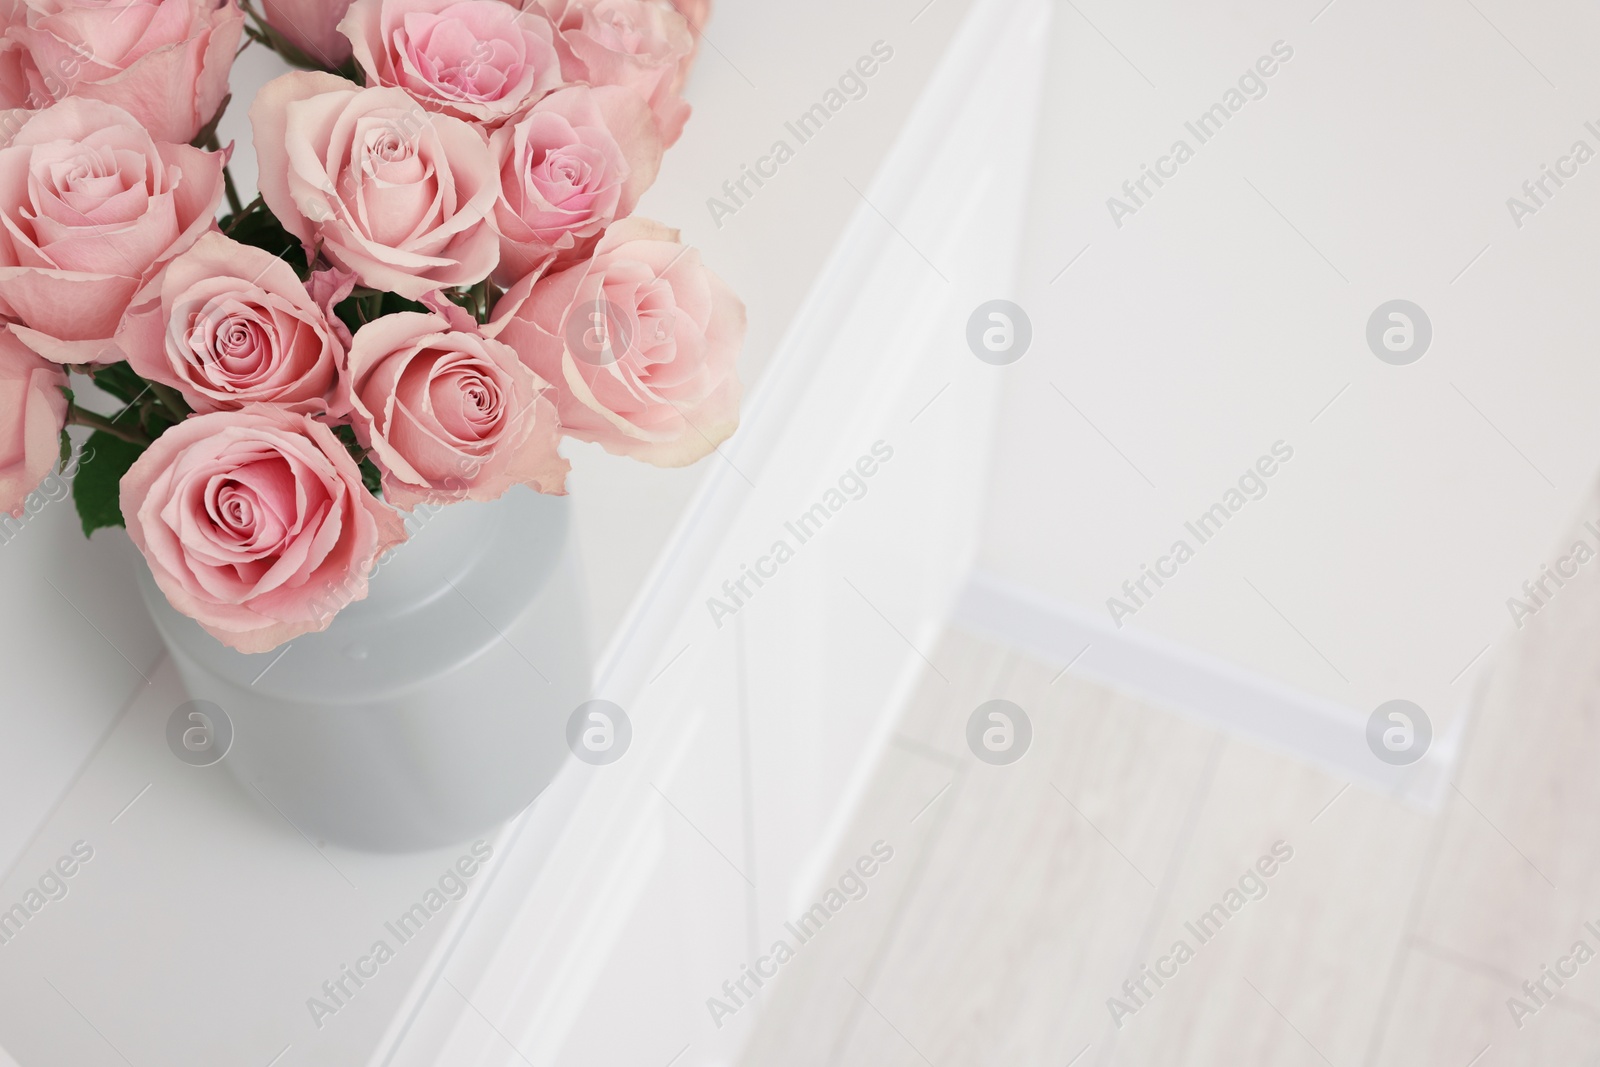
(1022,897)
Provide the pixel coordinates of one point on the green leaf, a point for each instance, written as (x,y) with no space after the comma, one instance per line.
(66,442)
(120,381)
(372,478)
(364,305)
(347,437)
(97,488)
(351,313)
(260,228)
(394,302)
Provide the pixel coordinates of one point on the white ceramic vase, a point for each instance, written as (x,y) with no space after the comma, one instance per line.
(428,712)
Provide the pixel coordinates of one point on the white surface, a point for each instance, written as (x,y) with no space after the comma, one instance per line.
(682,862)
(53,714)
(1206,328)
(1215,691)
(1203,330)
(211,920)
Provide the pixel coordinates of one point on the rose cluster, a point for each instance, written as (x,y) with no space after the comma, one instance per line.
(440,278)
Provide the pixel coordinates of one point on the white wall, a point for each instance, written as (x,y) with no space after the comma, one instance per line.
(1230,309)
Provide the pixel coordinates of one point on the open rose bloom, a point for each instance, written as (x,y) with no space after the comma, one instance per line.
(165,62)
(441,281)
(644,339)
(249,518)
(93,209)
(475,61)
(450,414)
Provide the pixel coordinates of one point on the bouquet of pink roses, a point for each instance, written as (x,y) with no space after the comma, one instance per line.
(440,278)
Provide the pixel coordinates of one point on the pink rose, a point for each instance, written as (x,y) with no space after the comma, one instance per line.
(640,341)
(235,326)
(448,413)
(569,168)
(641,45)
(254,523)
(480,60)
(312,26)
(330,288)
(697,13)
(91,209)
(16,70)
(388,192)
(32,411)
(165,62)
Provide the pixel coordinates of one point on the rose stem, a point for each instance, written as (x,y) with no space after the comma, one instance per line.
(240,216)
(233,193)
(170,399)
(77,416)
(480,301)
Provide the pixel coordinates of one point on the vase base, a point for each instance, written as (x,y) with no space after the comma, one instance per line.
(399,728)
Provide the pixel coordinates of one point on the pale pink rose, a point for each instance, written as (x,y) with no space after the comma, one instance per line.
(480,60)
(640,342)
(449,414)
(329,288)
(165,62)
(394,195)
(16,78)
(643,45)
(569,168)
(255,524)
(32,411)
(697,13)
(312,26)
(91,209)
(235,326)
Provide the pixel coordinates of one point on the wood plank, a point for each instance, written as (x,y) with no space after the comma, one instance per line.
(1016,893)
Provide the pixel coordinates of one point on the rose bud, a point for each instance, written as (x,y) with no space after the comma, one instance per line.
(165,62)
(255,524)
(235,326)
(640,343)
(388,192)
(578,161)
(312,26)
(92,209)
(480,60)
(449,414)
(33,410)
